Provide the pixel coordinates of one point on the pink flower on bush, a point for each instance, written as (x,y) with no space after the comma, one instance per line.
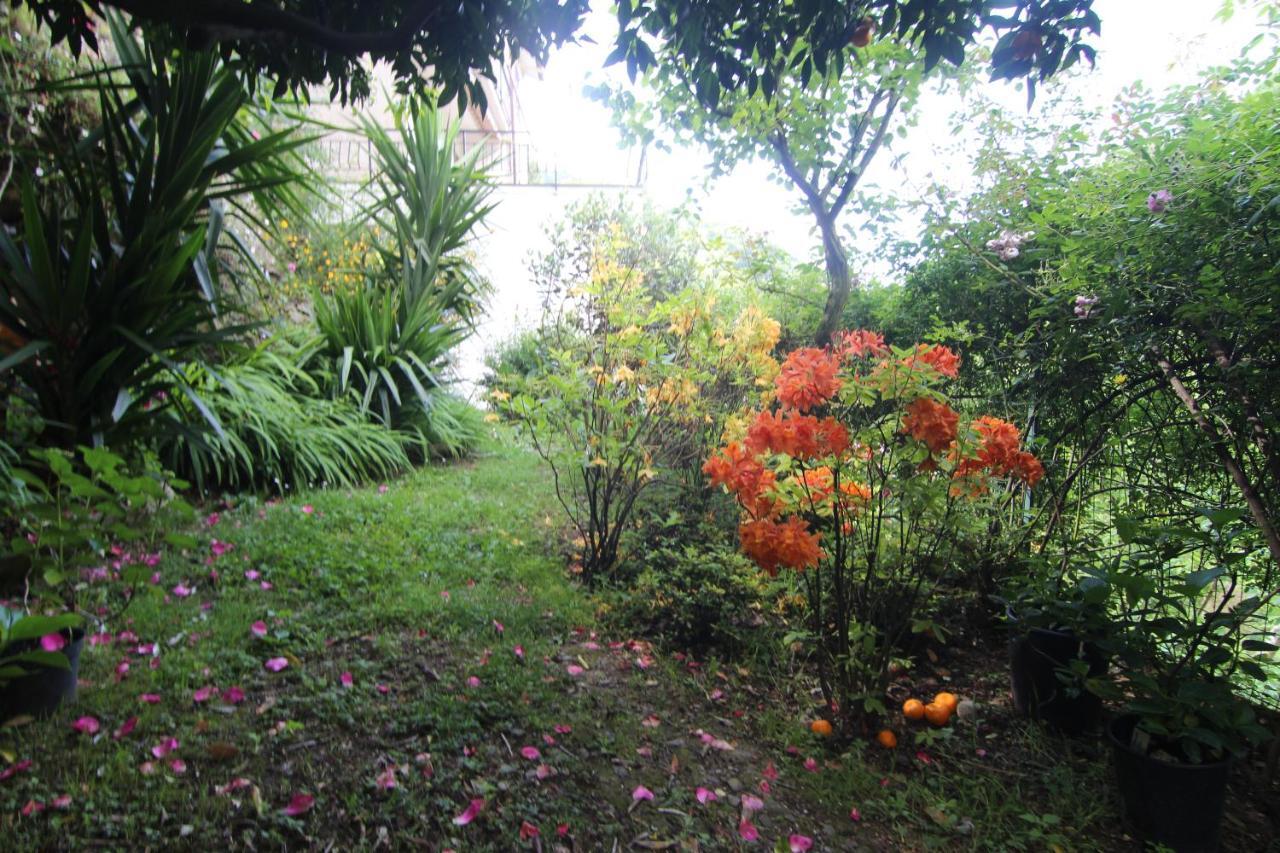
(1159,201)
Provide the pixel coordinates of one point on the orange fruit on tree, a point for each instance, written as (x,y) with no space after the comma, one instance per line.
(822,728)
(913,709)
(863,32)
(937,714)
(887,739)
(948,699)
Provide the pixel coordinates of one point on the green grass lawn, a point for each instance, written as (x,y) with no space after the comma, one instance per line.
(423,592)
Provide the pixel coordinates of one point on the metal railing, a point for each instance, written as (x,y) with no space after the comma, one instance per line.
(510,158)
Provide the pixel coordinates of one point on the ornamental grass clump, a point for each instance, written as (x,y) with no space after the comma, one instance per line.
(860,477)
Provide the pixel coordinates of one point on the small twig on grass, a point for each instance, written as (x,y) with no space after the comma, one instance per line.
(510,752)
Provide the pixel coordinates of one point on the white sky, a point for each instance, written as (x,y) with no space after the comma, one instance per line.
(1159,42)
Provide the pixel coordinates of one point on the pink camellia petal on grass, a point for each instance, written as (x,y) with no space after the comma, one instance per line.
(211,519)
(473,681)
(811,765)
(87,725)
(125,728)
(641,793)
(518,651)
(300,804)
(20,767)
(382,489)
(307,509)
(53,642)
(644,751)
(258,629)
(854,814)
(563,729)
(387,779)
(980,752)
(150,698)
(770,772)
(252,574)
(705,795)
(651,721)
(562,829)
(61,802)
(548,740)
(32,807)
(164,747)
(444,593)
(182,590)
(747,830)
(347,679)
(204,694)
(122,671)
(923,757)
(266,586)
(276,664)
(498,627)
(384,689)
(530,752)
(751,803)
(233,695)
(147,768)
(527,831)
(543,771)
(234,785)
(469,813)
(800,843)
(764,786)
(574,670)
(178,766)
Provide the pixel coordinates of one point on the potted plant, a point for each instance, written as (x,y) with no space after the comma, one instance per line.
(82,535)
(1054,657)
(39,661)
(1185,638)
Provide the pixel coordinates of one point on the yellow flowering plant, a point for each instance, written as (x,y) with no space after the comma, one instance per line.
(634,386)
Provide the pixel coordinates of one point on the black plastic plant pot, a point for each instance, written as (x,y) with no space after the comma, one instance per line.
(45,688)
(1176,805)
(1035,657)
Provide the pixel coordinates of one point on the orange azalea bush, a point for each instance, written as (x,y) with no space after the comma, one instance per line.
(857,478)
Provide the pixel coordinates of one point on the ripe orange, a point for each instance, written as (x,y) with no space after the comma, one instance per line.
(822,728)
(948,699)
(913,709)
(887,739)
(937,714)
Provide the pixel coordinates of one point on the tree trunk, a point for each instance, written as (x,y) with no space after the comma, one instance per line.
(838,282)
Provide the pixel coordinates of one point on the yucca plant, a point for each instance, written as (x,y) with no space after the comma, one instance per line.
(386,343)
(105,293)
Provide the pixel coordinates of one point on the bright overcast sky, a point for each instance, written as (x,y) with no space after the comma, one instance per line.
(1158,42)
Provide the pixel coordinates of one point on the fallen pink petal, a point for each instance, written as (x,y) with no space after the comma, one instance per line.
(705,795)
(469,813)
(276,664)
(182,590)
(346,679)
(800,843)
(164,747)
(751,803)
(204,694)
(87,725)
(234,785)
(530,752)
(125,728)
(233,695)
(811,765)
(178,766)
(854,814)
(149,698)
(527,831)
(641,793)
(300,804)
(747,830)
(258,629)
(307,509)
(61,802)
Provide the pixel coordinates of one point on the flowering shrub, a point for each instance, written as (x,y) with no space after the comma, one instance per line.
(857,480)
(631,383)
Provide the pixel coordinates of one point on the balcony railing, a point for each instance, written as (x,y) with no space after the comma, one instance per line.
(509,157)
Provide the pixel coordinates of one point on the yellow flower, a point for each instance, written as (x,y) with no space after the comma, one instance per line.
(624,374)
(499,395)
(492,418)
(599,462)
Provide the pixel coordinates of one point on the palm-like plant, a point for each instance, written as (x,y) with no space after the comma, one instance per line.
(103,294)
(387,342)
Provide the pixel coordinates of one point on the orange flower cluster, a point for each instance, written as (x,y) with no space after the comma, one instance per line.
(932,423)
(772,544)
(798,436)
(940,358)
(818,482)
(858,343)
(743,474)
(1001,453)
(809,377)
